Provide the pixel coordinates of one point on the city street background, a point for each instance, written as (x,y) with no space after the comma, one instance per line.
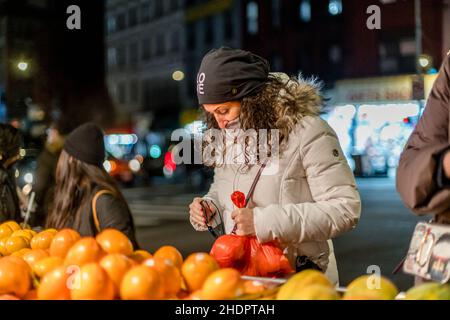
(131,67)
(381,238)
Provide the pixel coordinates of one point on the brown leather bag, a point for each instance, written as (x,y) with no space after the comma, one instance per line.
(94,207)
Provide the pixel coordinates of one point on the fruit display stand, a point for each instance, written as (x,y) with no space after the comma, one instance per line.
(385,291)
(63,265)
(271,288)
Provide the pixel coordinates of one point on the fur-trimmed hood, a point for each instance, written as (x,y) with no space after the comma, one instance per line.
(306,94)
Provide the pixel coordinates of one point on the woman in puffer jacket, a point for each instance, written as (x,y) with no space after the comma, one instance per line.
(306,194)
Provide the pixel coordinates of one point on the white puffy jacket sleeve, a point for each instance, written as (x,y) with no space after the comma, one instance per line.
(336,207)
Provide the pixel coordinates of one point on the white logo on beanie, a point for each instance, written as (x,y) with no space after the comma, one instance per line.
(201,83)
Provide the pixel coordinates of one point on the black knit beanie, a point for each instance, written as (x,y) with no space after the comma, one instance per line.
(86,144)
(227,74)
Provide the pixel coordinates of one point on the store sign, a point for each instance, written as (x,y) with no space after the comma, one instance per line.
(396,88)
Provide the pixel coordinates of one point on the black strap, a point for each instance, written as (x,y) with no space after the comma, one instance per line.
(252,188)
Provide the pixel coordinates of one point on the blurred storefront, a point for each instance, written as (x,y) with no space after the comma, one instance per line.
(373,118)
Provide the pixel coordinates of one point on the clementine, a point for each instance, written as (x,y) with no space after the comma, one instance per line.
(140,255)
(42,240)
(54,285)
(93,284)
(223,284)
(15,277)
(84,251)
(13,225)
(142,283)
(33,256)
(45,265)
(62,242)
(196,268)
(16,243)
(116,266)
(170,274)
(114,241)
(5,230)
(170,253)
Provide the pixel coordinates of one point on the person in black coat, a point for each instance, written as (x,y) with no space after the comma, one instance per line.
(10,142)
(44,187)
(87,199)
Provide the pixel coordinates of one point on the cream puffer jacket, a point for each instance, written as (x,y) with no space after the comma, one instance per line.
(303,200)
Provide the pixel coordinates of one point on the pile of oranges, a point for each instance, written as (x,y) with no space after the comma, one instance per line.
(62,265)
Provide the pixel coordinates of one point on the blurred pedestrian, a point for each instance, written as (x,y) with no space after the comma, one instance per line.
(44,186)
(87,199)
(10,143)
(308,194)
(423,174)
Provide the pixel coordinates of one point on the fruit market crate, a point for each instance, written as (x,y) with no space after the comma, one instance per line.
(272,286)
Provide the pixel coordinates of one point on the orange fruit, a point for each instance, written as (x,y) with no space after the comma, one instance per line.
(223,284)
(140,255)
(23,233)
(16,243)
(84,251)
(3,251)
(8,297)
(31,295)
(116,266)
(13,225)
(54,285)
(170,253)
(196,295)
(5,230)
(45,265)
(170,274)
(15,277)
(196,268)
(253,286)
(142,283)
(42,240)
(33,256)
(62,242)
(365,286)
(21,252)
(93,284)
(114,241)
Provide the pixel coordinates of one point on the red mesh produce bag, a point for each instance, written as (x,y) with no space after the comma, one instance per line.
(247,255)
(230,250)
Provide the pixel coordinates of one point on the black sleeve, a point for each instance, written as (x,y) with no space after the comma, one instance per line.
(442,181)
(43,171)
(113,213)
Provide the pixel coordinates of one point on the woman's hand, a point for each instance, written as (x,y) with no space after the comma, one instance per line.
(197,214)
(243,218)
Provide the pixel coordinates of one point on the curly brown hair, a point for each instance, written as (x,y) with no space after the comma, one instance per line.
(279,105)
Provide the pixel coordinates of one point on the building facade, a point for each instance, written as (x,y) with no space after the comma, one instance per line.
(144,48)
(154,48)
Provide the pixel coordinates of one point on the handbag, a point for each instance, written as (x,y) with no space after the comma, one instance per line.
(94,208)
(428,255)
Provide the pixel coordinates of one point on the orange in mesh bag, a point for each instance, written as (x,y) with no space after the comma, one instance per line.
(247,255)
